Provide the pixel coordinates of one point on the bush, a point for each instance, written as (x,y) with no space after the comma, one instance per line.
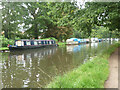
(51,38)
(6,41)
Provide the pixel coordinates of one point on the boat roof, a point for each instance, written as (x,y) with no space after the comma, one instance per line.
(33,40)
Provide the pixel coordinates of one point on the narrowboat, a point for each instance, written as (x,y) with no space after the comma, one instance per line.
(94,40)
(31,44)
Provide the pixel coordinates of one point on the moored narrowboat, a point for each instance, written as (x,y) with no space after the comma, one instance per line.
(31,44)
(93,40)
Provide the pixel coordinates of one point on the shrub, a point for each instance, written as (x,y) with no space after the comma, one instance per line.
(6,41)
(50,38)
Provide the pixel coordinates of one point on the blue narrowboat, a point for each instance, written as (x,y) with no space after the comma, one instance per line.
(31,44)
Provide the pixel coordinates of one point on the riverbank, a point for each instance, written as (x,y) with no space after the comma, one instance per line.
(92,74)
(62,44)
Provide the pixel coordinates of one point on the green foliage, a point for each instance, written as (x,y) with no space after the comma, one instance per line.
(104,14)
(4,48)
(10,19)
(61,15)
(50,38)
(100,32)
(89,75)
(17,38)
(60,20)
(62,44)
(6,41)
(92,74)
(98,13)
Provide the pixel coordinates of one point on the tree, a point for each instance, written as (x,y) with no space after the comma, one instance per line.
(10,19)
(105,14)
(97,13)
(62,15)
(35,17)
(61,20)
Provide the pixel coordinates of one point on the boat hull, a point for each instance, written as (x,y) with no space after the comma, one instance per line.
(30,47)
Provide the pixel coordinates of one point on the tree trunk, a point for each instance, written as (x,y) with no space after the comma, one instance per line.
(36,32)
(6,33)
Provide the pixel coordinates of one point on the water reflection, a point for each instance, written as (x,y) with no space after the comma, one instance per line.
(75,48)
(22,68)
(36,67)
(95,44)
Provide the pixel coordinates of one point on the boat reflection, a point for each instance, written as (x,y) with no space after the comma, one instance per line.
(27,68)
(94,44)
(74,48)
(32,53)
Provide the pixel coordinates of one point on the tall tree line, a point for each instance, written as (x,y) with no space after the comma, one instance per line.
(61,20)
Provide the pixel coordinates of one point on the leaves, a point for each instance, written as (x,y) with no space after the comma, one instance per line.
(47,19)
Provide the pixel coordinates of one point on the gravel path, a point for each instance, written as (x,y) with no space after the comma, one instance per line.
(112,81)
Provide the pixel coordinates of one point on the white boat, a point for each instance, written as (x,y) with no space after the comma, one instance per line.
(94,40)
(71,41)
(116,39)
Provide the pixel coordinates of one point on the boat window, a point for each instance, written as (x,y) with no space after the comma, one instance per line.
(24,42)
(28,42)
(52,42)
(32,42)
(18,43)
(39,42)
(42,42)
(45,42)
(35,43)
(48,42)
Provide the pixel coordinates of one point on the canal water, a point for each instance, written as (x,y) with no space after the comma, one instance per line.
(35,68)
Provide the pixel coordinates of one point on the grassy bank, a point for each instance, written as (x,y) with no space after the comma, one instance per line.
(61,44)
(92,74)
(4,48)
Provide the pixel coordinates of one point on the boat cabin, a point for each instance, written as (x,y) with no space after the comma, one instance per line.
(24,42)
(31,44)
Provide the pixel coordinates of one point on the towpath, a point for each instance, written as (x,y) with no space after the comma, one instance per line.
(114,62)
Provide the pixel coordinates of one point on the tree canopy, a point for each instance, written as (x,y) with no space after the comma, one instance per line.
(61,20)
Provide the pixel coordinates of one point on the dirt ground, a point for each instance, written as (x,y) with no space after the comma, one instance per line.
(114,63)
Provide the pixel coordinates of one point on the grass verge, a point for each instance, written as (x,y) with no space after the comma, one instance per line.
(4,48)
(61,44)
(92,74)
